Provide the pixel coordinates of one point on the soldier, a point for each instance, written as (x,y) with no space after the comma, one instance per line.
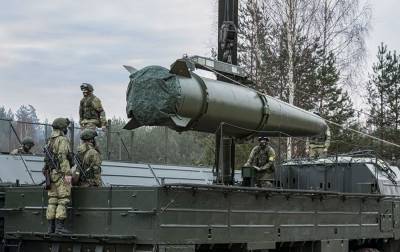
(90,160)
(59,191)
(91,112)
(318,146)
(262,158)
(25,148)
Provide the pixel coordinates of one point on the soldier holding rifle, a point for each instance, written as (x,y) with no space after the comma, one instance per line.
(89,160)
(57,170)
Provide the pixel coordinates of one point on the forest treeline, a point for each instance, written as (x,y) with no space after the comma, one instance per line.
(310,53)
(156,145)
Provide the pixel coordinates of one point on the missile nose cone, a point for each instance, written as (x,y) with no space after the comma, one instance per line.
(152,97)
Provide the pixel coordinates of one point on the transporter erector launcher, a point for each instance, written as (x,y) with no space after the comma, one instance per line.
(182,100)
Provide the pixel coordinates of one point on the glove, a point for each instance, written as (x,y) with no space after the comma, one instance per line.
(68,179)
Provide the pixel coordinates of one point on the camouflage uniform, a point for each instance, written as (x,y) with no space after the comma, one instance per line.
(91,113)
(318,146)
(263,158)
(25,148)
(91,164)
(59,193)
(20,150)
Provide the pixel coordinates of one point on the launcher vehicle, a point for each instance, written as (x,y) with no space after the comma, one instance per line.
(342,203)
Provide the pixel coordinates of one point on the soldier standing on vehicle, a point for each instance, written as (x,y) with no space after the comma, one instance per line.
(90,160)
(25,148)
(58,162)
(91,112)
(262,158)
(318,146)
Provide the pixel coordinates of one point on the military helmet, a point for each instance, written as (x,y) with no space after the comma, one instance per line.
(88,134)
(60,123)
(28,141)
(263,138)
(87,86)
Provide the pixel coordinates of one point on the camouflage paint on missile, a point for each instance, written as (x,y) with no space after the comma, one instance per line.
(181,100)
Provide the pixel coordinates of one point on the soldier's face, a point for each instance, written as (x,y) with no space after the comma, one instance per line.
(26,147)
(263,143)
(86,92)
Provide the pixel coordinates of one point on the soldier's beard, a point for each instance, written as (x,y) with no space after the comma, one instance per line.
(26,148)
(65,131)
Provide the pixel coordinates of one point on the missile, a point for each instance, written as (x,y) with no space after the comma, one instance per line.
(182,100)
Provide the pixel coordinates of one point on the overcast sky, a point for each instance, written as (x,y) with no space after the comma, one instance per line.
(49,47)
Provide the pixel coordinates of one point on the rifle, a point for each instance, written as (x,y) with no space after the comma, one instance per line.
(79,166)
(46,169)
(81,170)
(47,181)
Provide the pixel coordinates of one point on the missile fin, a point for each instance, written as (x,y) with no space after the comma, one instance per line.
(132,124)
(130,69)
(181,121)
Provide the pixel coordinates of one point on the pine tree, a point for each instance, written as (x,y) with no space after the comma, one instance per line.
(6,114)
(26,114)
(27,117)
(333,103)
(378,88)
(254,34)
(384,99)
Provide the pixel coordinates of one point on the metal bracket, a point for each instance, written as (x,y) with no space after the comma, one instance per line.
(204,106)
(219,66)
(264,118)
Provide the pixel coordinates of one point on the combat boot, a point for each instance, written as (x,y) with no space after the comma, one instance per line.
(51,227)
(60,227)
